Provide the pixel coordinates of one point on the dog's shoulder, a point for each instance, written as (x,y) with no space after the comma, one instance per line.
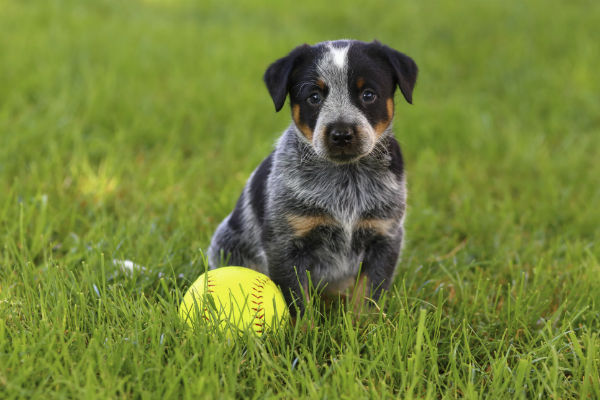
(396,165)
(257,189)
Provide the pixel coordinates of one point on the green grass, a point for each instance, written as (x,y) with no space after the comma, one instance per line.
(128,128)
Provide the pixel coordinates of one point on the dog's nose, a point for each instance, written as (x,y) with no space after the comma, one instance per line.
(341,134)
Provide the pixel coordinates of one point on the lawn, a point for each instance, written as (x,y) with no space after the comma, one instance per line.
(128,129)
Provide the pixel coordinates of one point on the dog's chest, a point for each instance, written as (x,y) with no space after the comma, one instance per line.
(357,203)
(348,194)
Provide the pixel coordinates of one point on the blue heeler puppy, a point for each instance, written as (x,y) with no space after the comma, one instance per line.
(330,199)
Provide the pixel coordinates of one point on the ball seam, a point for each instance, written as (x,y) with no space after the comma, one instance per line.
(209,290)
(257,301)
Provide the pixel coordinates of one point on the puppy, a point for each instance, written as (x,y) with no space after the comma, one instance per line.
(328,203)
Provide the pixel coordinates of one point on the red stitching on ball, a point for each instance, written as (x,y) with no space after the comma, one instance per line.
(209,285)
(258,286)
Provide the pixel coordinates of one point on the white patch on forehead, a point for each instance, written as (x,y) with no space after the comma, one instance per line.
(339,55)
(333,65)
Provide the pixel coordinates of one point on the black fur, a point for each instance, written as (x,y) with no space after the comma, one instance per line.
(235,221)
(258,187)
(277,76)
(376,75)
(405,69)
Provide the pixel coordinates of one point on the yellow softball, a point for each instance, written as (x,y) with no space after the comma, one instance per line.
(235,296)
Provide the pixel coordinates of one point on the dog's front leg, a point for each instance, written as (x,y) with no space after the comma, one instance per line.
(378,267)
(296,244)
(288,265)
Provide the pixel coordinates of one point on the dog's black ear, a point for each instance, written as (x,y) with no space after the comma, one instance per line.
(405,69)
(277,76)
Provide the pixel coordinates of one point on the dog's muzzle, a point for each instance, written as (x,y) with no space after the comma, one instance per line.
(342,141)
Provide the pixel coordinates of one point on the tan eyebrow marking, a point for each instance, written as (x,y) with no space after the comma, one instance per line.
(360,82)
(321,83)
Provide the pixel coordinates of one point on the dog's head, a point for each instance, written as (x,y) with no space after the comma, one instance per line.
(341,93)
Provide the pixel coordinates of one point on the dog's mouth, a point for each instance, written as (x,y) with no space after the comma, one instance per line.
(342,143)
(349,152)
(343,156)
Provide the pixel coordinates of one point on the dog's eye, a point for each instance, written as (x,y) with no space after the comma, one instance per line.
(314,99)
(368,96)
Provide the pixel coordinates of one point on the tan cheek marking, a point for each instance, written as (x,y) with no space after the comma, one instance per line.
(382,126)
(296,113)
(390,108)
(382,226)
(360,82)
(303,224)
(303,127)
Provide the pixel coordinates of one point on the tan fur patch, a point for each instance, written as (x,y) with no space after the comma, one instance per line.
(304,224)
(390,108)
(360,82)
(382,126)
(381,226)
(303,127)
(321,83)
